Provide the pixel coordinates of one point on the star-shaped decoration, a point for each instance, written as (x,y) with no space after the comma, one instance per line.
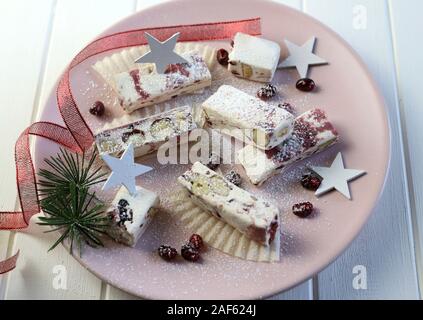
(336,177)
(302,57)
(161,53)
(124,170)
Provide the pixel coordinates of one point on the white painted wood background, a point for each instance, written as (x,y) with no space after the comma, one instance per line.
(391,244)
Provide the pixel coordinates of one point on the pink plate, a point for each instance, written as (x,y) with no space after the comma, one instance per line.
(349,96)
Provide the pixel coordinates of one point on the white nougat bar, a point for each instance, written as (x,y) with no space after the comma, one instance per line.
(137,90)
(247,118)
(254,58)
(312,133)
(124,60)
(256,218)
(130,215)
(147,134)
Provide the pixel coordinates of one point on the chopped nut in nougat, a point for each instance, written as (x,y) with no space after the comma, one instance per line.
(147,134)
(256,218)
(254,58)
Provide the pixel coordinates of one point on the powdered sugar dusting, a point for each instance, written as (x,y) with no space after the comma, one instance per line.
(252,112)
(283,191)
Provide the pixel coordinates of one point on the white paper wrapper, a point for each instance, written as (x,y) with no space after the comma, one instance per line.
(220,235)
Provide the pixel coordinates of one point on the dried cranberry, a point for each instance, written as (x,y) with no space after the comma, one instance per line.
(125,136)
(177,68)
(190,253)
(305,85)
(125,213)
(123,203)
(267,92)
(222,57)
(196,241)
(311,181)
(97,109)
(213,162)
(128,134)
(234,177)
(302,210)
(273,228)
(167,252)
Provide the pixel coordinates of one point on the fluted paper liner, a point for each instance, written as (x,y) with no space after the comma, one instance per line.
(220,235)
(123,61)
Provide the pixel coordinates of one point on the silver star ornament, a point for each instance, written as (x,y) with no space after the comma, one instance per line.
(124,170)
(336,177)
(301,57)
(161,54)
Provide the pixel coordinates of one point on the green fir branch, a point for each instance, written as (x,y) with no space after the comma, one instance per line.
(69,205)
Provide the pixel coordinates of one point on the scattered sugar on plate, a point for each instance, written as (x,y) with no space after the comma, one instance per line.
(283,190)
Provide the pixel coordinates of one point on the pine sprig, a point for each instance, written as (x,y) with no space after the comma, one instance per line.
(65,168)
(66,199)
(79,219)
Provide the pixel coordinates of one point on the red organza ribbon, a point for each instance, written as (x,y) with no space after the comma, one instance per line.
(9,264)
(77,136)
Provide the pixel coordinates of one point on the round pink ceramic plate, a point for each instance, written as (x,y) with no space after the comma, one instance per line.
(349,96)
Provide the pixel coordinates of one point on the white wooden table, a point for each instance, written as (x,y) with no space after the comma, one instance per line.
(39,38)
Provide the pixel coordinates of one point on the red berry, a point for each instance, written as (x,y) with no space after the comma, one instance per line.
(267,92)
(222,57)
(167,253)
(177,68)
(273,228)
(196,241)
(97,109)
(302,210)
(190,253)
(234,177)
(128,134)
(305,85)
(213,162)
(311,181)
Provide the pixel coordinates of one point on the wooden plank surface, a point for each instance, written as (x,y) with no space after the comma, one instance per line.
(406,19)
(21,63)
(385,245)
(4,242)
(48,275)
(76,22)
